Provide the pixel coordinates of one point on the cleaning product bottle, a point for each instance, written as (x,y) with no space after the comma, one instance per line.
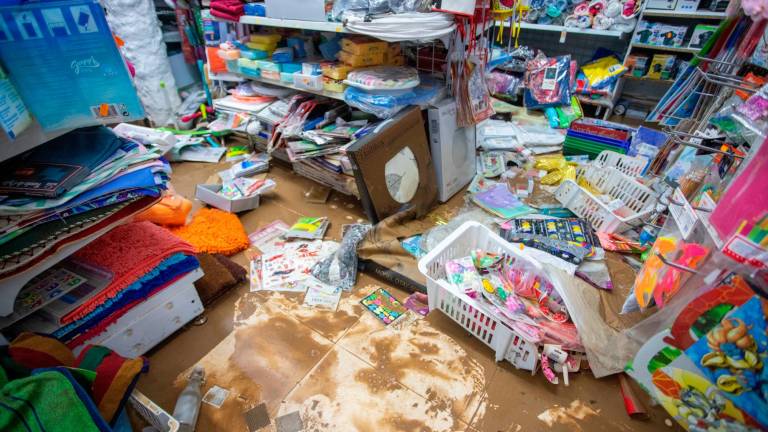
(188,403)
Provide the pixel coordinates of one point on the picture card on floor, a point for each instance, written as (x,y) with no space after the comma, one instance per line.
(216,396)
(264,238)
(321,295)
(284,270)
(382,304)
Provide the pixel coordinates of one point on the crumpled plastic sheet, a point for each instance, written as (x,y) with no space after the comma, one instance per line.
(340,268)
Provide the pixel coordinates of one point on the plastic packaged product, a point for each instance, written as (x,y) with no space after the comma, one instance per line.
(228,54)
(341,8)
(282,55)
(272,75)
(548,81)
(309,82)
(355,60)
(603,71)
(233,66)
(265,38)
(402,6)
(311,68)
(252,54)
(383,78)
(363,46)
(297,44)
(261,46)
(340,269)
(255,9)
(336,71)
(290,67)
(269,66)
(330,49)
(332,85)
(286,77)
(250,72)
(385,104)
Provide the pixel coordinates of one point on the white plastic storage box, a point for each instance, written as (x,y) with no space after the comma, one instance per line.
(475,316)
(609,181)
(303,10)
(632,166)
(151,321)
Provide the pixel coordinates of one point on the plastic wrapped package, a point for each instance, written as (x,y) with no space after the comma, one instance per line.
(342,8)
(402,6)
(383,78)
(502,84)
(385,104)
(603,72)
(340,269)
(378,6)
(548,81)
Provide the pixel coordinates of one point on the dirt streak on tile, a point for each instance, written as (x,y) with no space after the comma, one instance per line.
(578,410)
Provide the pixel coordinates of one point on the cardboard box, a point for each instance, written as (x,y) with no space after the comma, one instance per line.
(208,193)
(306,10)
(363,46)
(393,168)
(355,60)
(453,149)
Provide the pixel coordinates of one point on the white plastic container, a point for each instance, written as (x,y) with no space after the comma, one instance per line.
(475,316)
(632,166)
(609,181)
(152,413)
(308,82)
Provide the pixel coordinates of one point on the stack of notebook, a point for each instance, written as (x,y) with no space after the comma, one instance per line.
(60,197)
(591,138)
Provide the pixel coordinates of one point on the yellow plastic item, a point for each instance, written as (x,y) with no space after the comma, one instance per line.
(363,46)
(549,163)
(332,85)
(603,69)
(554,177)
(336,71)
(569,173)
(269,47)
(355,60)
(266,38)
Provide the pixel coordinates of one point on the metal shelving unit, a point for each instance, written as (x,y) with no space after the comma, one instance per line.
(326,26)
(328,94)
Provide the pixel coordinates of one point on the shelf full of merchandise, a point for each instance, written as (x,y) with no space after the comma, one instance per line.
(711,17)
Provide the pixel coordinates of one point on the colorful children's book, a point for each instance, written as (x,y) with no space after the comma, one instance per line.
(382,304)
(498,200)
(308,228)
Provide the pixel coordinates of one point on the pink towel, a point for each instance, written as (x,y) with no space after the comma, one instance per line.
(129,251)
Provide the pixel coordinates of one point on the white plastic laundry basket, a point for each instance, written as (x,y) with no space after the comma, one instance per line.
(475,316)
(632,166)
(609,181)
(152,413)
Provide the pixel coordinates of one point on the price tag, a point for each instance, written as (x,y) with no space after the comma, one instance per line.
(683,213)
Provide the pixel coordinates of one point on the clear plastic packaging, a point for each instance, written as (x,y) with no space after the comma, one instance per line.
(343,7)
(383,78)
(385,104)
(548,81)
(603,71)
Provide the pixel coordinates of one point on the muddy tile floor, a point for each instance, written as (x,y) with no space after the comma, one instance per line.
(345,371)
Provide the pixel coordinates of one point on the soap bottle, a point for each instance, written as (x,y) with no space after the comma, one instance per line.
(188,404)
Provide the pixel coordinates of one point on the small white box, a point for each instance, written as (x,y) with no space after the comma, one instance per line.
(208,193)
(661,4)
(453,149)
(302,10)
(687,5)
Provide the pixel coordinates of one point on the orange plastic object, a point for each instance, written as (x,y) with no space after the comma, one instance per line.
(171,210)
(645,282)
(216,63)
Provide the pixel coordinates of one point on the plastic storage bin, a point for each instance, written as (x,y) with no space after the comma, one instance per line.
(308,82)
(474,316)
(613,183)
(632,166)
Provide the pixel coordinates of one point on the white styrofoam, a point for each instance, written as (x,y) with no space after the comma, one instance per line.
(136,23)
(453,149)
(151,321)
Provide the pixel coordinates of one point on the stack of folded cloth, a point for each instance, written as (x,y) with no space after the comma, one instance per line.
(68,192)
(142,258)
(230,10)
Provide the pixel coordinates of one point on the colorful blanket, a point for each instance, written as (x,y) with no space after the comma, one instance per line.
(129,251)
(43,387)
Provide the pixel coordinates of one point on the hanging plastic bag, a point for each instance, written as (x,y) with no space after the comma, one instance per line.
(548,81)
